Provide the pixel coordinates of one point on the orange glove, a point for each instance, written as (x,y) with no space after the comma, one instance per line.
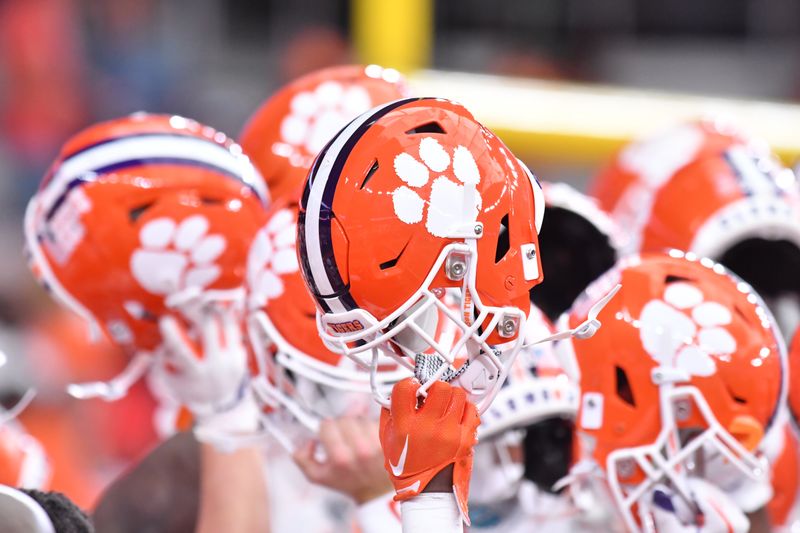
(418,442)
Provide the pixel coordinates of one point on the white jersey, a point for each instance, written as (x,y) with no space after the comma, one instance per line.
(295,504)
(531,510)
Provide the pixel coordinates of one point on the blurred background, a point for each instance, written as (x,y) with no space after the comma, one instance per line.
(67,63)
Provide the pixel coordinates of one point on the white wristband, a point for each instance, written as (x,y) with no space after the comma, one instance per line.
(432,511)
(222,429)
(379,515)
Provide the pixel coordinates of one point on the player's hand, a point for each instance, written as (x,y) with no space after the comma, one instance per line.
(710,510)
(420,441)
(351,462)
(206,369)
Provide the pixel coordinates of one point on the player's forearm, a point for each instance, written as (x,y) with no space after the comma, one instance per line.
(233,492)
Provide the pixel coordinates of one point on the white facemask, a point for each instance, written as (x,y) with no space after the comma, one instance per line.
(748,493)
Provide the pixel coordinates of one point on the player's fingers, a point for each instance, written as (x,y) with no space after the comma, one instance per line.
(404,396)
(471,417)
(304,457)
(337,449)
(231,327)
(212,333)
(181,350)
(455,408)
(361,436)
(439,398)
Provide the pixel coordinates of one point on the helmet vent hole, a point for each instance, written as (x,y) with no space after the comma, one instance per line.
(430,127)
(503,240)
(136,212)
(737,399)
(675,279)
(624,390)
(386,265)
(371,172)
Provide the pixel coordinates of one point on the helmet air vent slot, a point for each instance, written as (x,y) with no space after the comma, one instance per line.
(371,172)
(136,212)
(392,262)
(624,390)
(503,240)
(430,127)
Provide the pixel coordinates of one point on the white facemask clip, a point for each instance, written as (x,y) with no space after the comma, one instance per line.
(117,387)
(585,329)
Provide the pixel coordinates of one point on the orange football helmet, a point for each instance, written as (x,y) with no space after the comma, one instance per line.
(136,214)
(626,185)
(579,242)
(784,463)
(293,125)
(688,360)
(738,206)
(794,377)
(410,200)
(298,374)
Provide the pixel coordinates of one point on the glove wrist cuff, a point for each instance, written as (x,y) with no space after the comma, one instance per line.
(221,428)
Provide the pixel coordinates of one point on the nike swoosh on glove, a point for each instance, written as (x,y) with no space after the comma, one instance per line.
(418,442)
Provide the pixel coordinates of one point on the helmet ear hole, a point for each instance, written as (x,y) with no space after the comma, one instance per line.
(624,390)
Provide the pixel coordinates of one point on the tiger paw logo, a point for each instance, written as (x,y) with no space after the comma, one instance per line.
(272,255)
(685,331)
(443,208)
(173,256)
(315,116)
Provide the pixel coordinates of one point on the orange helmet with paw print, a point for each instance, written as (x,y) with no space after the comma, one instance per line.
(136,213)
(707,189)
(292,126)
(410,200)
(642,167)
(688,360)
